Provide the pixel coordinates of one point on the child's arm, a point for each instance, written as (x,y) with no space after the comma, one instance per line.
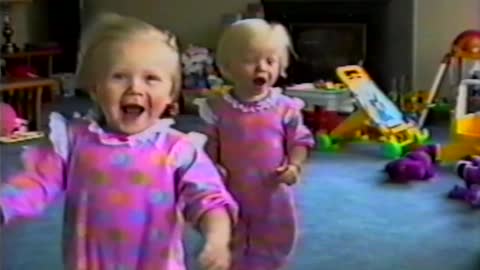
(297,156)
(216,226)
(202,194)
(27,193)
(205,203)
(298,139)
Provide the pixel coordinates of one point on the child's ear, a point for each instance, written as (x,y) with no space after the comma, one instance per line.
(92,92)
(283,72)
(224,70)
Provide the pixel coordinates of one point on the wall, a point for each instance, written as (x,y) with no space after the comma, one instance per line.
(419,31)
(18,17)
(180,16)
(203,28)
(192,20)
(28,22)
(437,23)
(398,56)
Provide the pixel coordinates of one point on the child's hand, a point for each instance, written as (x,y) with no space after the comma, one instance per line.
(215,256)
(288,174)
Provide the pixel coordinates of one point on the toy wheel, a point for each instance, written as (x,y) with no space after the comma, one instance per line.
(423,137)
(392,150)
(324,142)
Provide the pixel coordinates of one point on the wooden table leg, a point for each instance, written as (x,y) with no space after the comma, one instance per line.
(50,66)
(38,107)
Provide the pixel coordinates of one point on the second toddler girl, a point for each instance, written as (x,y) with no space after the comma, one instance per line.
(257,136)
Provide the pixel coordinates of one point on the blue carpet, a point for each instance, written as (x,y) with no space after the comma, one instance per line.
(351,220)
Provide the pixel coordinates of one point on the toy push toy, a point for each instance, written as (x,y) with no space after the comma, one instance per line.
(465,127)
(377,119)
(466,46)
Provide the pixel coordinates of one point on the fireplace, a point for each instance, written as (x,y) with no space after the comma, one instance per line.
(327,34)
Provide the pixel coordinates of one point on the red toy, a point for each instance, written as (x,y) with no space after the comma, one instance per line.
(23,72)
(14,129)
(10,123)
(323,121)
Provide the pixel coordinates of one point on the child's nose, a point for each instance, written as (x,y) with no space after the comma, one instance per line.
(262,65)
(136,87)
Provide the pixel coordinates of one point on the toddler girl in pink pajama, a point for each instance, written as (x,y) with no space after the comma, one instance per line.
(128,177)
(257,137)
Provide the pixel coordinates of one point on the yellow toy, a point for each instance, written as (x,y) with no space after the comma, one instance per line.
(414,102)
(465,128)
(220,90)
(378,119)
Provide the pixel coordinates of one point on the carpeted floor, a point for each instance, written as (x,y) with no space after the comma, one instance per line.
(351,219)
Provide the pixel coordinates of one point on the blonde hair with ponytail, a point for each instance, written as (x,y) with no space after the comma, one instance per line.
(253,34)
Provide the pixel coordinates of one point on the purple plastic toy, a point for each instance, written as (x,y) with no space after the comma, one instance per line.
(469,171)
(418,165)
(468,195)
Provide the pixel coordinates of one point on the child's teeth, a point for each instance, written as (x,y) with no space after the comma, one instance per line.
(133,110)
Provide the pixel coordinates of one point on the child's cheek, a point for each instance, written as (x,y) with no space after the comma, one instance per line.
(159,108)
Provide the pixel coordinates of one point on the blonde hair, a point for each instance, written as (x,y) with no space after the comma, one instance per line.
(107,31)
(253,34)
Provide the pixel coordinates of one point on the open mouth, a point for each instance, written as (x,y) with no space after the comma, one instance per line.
(259,81)
(132,110)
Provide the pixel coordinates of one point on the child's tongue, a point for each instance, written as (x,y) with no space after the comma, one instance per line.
(259,81)
(132,111)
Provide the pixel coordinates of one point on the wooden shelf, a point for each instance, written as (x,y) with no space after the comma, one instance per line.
(3,2)
(35,53)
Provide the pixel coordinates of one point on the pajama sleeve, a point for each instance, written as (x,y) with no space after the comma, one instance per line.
(30,191)
(199,185)
(297,134)
(210,129)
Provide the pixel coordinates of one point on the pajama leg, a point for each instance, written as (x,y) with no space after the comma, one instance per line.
(239,246)
(269,236)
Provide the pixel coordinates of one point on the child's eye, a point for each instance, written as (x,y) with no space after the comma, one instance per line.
(152,78)
(119,76)
(271,60)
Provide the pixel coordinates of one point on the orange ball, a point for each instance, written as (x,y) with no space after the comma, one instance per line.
(467,44)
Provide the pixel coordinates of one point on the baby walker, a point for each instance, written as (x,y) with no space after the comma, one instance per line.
(465,127)
(378,118)
(465,146)
(465,47)
(466,120)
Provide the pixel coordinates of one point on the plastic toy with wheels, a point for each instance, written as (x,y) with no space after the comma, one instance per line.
(465,128)
(377,119)
(465,47)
